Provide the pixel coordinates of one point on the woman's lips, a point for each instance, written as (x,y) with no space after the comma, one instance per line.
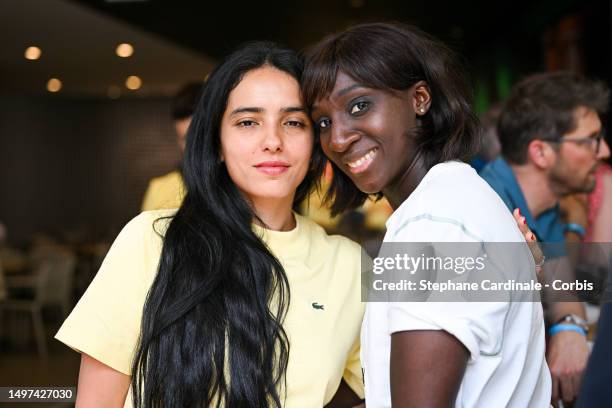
(362,163)
(273,168)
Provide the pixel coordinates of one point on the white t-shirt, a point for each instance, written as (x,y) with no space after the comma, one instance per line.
(507,366)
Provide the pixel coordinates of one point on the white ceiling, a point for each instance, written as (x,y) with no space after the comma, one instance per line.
(78,47)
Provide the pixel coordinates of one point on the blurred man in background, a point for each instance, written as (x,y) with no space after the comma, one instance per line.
(551,136)
(167,191)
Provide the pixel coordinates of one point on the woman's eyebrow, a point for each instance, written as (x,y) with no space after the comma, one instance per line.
(338,94)
(252,109)
(294,109)
(348,89)
(248,109)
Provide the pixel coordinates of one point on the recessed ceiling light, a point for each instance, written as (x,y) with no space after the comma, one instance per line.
(54,85)
(133,82)
(124,50)
(32,53)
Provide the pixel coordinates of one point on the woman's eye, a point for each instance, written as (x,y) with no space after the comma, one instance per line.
(246,123)
(294,123)
(359,107)
(324,123)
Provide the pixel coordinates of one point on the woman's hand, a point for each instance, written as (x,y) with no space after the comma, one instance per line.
(531,239)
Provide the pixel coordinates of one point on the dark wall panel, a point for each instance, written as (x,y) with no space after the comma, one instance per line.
(79,167)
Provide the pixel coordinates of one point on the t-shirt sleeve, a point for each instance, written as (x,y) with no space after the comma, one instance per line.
(105,323)
(477,325)
(352,371)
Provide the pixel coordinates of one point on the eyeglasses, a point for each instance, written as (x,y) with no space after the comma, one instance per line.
(593,141)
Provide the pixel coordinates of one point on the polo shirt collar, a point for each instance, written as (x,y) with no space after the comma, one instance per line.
(513,189)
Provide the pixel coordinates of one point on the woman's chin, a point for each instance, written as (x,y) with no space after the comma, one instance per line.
(368,186)
(273,195)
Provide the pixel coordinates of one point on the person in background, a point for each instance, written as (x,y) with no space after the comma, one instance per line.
(167,191)
(591,213)
(595,391)
(596,211)
(551,136)
(600,207)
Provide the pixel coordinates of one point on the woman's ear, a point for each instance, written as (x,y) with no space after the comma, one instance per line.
(421,98)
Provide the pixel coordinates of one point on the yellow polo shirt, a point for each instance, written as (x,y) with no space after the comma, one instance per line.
(323,321)
(164,192)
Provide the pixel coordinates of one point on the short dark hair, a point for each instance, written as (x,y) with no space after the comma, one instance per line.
(184,103)
(542,106)
(394,56)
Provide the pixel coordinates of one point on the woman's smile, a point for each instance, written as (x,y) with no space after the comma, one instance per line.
(363,162)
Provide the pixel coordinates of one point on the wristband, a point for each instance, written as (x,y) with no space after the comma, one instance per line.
(565,327)
(575,228)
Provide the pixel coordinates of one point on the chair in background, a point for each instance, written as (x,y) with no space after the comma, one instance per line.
(58,291)
(50,284)
(34,283)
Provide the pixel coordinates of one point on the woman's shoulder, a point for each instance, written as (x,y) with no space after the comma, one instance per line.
(105,323)
(140,242)
(166,213)
(455,194)
(149,223)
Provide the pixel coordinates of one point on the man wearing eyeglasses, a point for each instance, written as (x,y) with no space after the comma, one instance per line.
(552,142)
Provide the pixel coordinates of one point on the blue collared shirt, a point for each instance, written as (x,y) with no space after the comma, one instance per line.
(548,226)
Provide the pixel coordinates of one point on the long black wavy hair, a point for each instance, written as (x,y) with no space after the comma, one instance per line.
(394,56)
(211,332)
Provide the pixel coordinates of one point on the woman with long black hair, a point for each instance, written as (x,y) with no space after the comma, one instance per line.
(233,299)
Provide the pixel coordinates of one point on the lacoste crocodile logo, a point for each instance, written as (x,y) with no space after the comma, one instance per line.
(317,306)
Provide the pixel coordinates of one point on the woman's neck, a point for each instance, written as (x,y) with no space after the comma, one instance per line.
(276,214)
(398,190)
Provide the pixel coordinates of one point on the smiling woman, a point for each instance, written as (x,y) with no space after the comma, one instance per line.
(191,307)
(392,111)
(345,87)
